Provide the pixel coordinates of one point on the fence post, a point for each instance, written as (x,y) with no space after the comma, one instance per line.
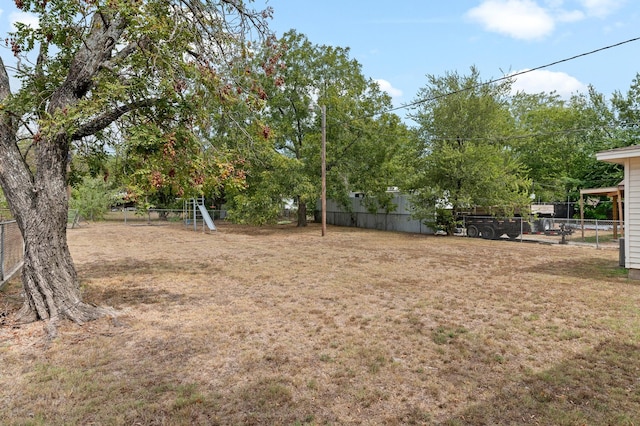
(464,225)
(597,236)
(2,252)
(521,228)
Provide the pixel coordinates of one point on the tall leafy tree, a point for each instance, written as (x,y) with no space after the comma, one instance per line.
(557,140)
(360,137)
(463,160)
(615,124)
(603,133)
(158,165)
(96,63)
(626,108)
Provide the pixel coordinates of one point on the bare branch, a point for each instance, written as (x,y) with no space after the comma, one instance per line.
(128,50)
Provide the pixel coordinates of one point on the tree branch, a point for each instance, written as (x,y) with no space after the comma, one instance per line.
(343,152)
(15,176)
(125,52)
(102,121)
(5,89)
(94,52)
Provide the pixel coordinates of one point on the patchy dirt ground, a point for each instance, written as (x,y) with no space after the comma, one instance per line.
(278,325)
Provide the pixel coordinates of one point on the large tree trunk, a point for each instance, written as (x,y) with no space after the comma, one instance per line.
(38,201)
(37,196)
(49,278)
(302,213)
(51,287)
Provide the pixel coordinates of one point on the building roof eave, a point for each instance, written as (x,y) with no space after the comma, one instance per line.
(618,155)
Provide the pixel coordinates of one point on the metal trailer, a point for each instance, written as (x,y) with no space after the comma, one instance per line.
(492,228)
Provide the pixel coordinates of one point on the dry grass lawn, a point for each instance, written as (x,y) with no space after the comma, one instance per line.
(281,326)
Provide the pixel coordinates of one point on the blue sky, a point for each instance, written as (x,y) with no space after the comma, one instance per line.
(400,42)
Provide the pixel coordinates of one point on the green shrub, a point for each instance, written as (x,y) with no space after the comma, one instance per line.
(92,198)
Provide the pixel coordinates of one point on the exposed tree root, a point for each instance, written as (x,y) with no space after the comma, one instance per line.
(51,328)
(26,315)
(79,314)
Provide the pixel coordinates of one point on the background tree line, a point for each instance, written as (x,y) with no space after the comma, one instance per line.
(474,142)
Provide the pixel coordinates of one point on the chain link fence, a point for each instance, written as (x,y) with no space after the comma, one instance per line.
(135,216)
(157,216)
(11,250)
(591,232)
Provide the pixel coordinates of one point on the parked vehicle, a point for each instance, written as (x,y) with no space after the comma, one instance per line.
(539,220)
(491,228)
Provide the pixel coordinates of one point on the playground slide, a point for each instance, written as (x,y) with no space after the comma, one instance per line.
(206,217)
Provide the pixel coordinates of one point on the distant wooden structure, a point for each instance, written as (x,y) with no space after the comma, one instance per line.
(616,193)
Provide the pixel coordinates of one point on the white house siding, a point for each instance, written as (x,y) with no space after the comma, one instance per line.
(630,158)
(632,213)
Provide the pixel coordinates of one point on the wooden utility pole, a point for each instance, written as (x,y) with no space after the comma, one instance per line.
(323,199)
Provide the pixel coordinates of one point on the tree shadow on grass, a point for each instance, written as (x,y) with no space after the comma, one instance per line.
(265,230)
(126,292)
(127,274)
(132,296)
(601,386)
(600,269)
(135,267)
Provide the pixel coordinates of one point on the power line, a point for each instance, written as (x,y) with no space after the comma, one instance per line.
(542,134)
(420,101)
(351,124)
(498,80)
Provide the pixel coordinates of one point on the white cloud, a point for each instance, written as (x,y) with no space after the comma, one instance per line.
(385,86)
(25,18)
(569,15)
(601,8)
(535,19)
(554,4)
(547,81)
(521,19)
